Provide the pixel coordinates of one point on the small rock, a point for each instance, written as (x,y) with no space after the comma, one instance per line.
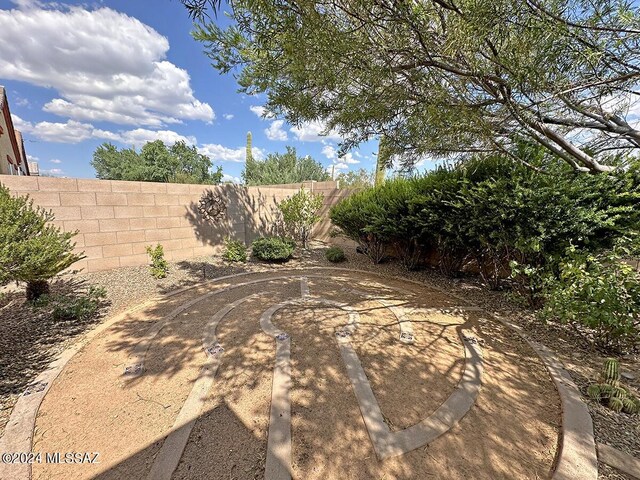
(628,376)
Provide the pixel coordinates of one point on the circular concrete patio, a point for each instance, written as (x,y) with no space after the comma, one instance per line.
(310,374)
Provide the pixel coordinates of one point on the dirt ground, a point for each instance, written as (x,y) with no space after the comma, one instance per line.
(512,431)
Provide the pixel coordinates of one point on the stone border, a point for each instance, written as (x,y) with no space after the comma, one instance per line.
(627,464)
(168,458)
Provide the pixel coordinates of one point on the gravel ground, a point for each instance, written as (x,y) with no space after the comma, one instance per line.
(29,339)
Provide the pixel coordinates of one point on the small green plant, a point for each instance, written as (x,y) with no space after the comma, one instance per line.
(159,266)
(273,249)
(79,306)
(335,255)
(234,251)
(611,393)
(300,214)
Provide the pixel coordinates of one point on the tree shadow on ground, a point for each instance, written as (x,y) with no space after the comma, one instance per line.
(505,435)
(30,338)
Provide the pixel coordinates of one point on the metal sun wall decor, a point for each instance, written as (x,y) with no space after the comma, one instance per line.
(211,206)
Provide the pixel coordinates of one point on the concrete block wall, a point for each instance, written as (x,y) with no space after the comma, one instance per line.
(116,220)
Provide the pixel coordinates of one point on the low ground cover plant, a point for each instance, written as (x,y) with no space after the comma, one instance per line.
(273,249)
(78,306)
(234,251)
(335,255)
(159,266)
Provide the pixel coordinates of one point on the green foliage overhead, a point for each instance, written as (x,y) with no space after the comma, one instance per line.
(155,163)
(273,249)
(300,214)
(279,168)
(440,78)
(32,250)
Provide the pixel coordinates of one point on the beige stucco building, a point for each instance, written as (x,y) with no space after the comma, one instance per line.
(13,159)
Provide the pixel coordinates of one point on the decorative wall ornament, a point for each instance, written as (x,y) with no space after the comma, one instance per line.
(211,206)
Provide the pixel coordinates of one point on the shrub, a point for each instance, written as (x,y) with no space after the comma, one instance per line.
(32,250)
(599,295)
(79,307)
(159,266)
(494,211)
(234,251)
(273,249)
(335,255)
(300,214)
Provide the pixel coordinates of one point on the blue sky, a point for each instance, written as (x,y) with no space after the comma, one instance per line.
(78,74)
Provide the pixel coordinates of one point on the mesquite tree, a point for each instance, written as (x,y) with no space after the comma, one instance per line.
(441,77)
(300,214)
(32,250)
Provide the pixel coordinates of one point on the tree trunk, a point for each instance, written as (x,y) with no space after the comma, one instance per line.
(36,288)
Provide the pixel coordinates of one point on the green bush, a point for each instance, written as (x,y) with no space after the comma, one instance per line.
(599,295)
(79,306)
(159,266)
(335,255)
(234,251)
(32,250)
(273,249)
(300,214)
(492,211)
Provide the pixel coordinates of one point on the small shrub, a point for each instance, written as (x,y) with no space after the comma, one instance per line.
(335,255)
(599,295)
(159,266)
(610,393)
(79,307)
(273,249)
(300,214)
(32,250)
(234,251)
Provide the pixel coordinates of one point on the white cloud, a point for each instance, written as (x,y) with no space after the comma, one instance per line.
(329,152)
(332,154)
(69,132)
(258,110)
(229,178)
(275,131)
(76,132)
(56,172)
(138,137)
(104,65)
(219,152)
(55,160)
(228,116)
(314,132)
(31,158)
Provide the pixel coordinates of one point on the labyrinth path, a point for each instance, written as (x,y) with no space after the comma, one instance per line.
(306,374)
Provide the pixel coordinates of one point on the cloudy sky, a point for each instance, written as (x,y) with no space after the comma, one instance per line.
(79,74)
